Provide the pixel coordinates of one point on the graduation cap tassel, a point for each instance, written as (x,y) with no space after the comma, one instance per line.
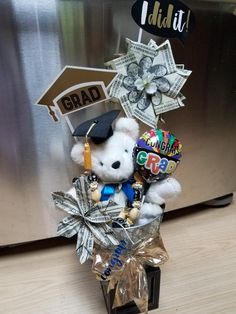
(87,151)
(52,114)
(87,157)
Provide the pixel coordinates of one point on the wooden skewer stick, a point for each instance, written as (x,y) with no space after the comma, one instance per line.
(143,20)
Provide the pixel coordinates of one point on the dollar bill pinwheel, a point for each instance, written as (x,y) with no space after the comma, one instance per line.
(148,81)
(88,220)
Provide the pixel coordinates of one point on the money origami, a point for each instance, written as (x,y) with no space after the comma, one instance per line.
(148,81)
(86,220)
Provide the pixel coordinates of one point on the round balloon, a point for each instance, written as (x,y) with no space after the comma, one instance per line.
(157,154)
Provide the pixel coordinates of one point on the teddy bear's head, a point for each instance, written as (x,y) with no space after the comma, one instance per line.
(112,161)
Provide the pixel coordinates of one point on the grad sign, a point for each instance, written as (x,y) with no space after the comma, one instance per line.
(164,18)
(80,96)
(76,88)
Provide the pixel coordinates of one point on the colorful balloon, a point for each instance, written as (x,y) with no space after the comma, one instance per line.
(157,154)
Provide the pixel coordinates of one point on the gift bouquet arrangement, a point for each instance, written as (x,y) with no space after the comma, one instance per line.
(116,203)
(115,206)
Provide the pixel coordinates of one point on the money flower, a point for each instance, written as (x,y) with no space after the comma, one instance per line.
(146,84)
(148,81)
(87,220)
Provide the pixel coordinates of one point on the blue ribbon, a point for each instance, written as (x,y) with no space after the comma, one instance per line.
(110,189)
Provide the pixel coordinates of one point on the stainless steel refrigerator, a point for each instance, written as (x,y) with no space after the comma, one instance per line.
(39,37)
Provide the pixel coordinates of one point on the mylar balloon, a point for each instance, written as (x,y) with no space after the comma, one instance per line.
(157,154)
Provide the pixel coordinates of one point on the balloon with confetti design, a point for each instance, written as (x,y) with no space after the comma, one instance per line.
(157,154)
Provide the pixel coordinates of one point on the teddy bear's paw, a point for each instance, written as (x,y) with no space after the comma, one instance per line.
(148,212)
(163,190)
(174,187)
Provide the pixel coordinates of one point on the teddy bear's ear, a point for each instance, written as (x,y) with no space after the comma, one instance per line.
(77,153)
(128,126)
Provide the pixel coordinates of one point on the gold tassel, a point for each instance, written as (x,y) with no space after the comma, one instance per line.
(87,151)
(87,157)
(52,113)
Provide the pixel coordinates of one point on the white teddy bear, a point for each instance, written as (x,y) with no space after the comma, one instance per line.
(112,162)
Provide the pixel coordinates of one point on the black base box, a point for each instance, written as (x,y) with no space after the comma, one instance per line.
(154,279)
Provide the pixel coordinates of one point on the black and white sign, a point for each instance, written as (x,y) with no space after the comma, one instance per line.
(164,18)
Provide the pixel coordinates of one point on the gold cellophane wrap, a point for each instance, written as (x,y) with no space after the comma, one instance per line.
(130,280)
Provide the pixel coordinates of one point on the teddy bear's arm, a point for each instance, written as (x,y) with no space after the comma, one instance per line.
(160,191)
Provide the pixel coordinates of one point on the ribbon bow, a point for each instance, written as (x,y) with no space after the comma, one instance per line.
(110,189)
(130,281)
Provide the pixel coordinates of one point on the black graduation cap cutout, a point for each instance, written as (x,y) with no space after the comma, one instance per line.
(76,88)
(98,129)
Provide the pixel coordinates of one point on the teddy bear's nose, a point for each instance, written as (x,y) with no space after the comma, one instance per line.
(116,165)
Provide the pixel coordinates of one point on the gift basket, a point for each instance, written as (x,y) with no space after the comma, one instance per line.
(115,205)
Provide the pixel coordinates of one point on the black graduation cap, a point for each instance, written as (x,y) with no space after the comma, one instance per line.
(98,129)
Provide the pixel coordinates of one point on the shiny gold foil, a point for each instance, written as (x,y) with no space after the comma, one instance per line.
(130,280)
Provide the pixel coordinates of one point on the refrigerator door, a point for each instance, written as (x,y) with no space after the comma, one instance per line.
(39,37)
